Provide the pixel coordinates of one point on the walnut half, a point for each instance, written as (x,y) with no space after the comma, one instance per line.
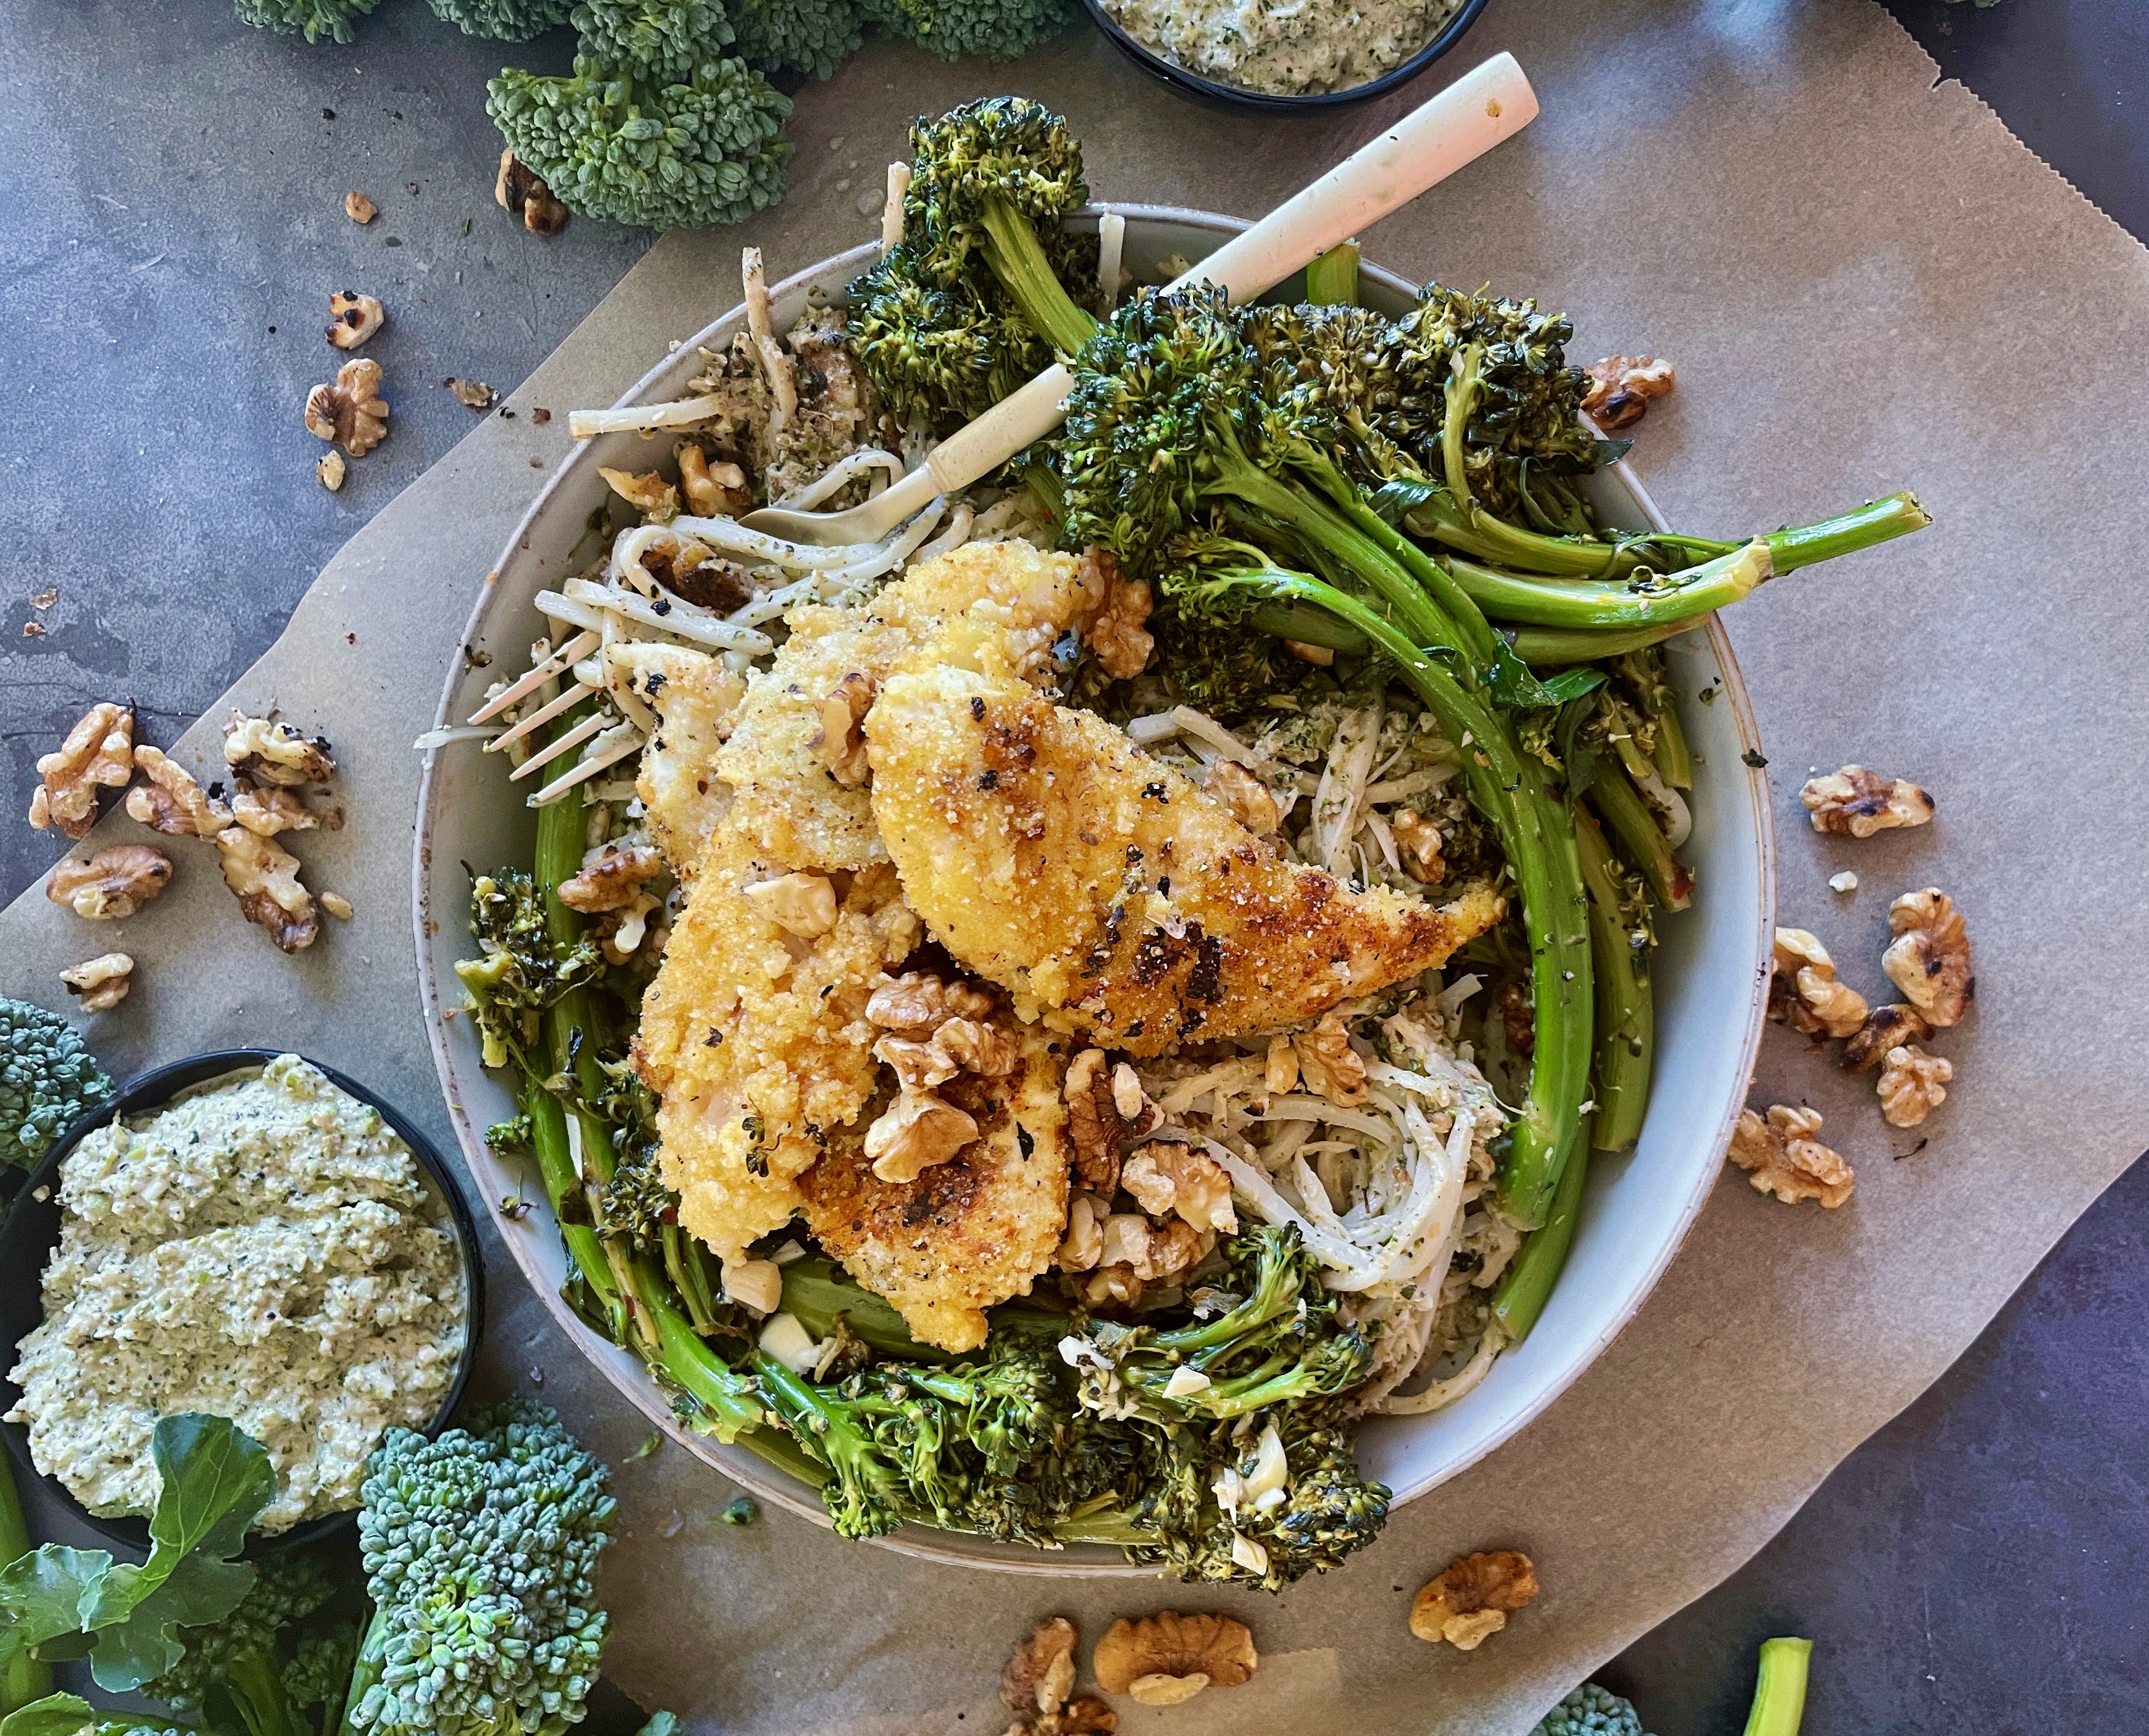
(1804,992)
(1330,1065)
(1115,633)
(1856,802)
(265,878)
(613,881)
(1912,1085)
(1929,959)
(1166,1657)
(350,411)
(1037,1681)
(1621,386)
(97,754)
(1167,1177)
(1472,1597)
(113,884)
(1782,1156)
(100,984)
(915,1132)
(353,318)
(1107,1113)
(267,752)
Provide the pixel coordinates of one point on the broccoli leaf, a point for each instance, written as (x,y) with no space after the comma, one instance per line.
(56,1714)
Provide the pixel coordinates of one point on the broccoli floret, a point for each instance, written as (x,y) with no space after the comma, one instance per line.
(812,36)
(1590,1711)
(231,1675)
(636,1203)
(521,970)
(503,21)
(319,1674)
(482,1547)
(659,41)
(315,18)
(998,29)
(47,1080)
(707,150)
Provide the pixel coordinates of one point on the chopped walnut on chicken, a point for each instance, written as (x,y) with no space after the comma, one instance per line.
(610,878)
(1136,1249)
(1165,1176)
(113,884)
(1166,1659)
(1929,959)
(1108,1112)
(918,998)
(801,904)
(915,1132)
(1857,803)
(353,318)
(1885,1028)
(350,411)
(268,752)
(1912,1085)
(1083,1245)
(1037,1681)
(265,878)
(100,984)
(1331,1066)
(1804,992)
(1245,797)
(1114,632)
(1472,1598)
(1782,1156)
(1418,842)
(98,754)
(840,743)
(645,490)
(173,801)
(1621,386)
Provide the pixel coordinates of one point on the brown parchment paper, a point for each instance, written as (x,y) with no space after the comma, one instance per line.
(1866,282)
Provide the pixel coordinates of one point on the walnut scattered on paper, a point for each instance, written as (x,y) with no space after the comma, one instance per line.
(359,209)
(1929,959)
(1804,992)
(99,984)
(1885,1028)
(264,751)
(1472,1598)
(98,755)
(471,393)
(1912,1085)
(113,884)
(263,876)
(1166,1659)
(1621,386)
(1856,802)
(1038,1686)
(172,802)
(1782,1156)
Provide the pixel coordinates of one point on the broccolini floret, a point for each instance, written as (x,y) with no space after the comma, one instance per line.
(812,36)
(707,149)
(319,1675)
(503,21)
(231,1675)
(48,1080)
(482,1548)
(522,969)
(658,42)
(1590,1711)
(997,29)
(313,18)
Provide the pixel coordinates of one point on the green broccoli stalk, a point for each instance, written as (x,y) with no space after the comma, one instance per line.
(481,1548)
(997,29)
(1590,1711)
(503,21)
(1621,942)
(25,1677)
(231,1677)
(660,42)
(812,36)
(313,18)
(1779,1691)
(49,1079)
(706,149)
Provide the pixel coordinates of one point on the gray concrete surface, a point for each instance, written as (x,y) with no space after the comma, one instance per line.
(170,227)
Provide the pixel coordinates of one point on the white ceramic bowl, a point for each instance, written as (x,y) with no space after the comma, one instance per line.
(1710,976)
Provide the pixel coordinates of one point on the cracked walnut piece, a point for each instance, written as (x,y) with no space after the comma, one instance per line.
(471,393)
(645,490)
(350,411)
(269,809)
(1621,386)
(1164,1658)
(359,209)
(840,743)
(172,802)
(330,469)
(1804,992)
(520,189)
(97,754)
(353,318)
(100,984)
(1330,1065)
(1418,842)
(265,878)
(713,490)
(1107,1113)
(801,904)
(1781,1157)
(1912,1085)
(1929,959)
(1857,802)
(915,1132)
(267,752)
(1166,1177)
(1115,634)
(1472,1598)
(1245,797)
(113,884)
(917,1000)
(613,881)
(1885,1028)
(1037,1681)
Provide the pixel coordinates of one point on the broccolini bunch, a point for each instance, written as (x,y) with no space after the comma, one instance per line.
(235,1673)
(503,21)
(47,1080)
(997,29)
(313,19)
(812,36)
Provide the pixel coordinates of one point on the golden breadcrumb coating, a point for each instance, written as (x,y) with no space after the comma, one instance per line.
(1106,893)
(695,697)
(967,1233)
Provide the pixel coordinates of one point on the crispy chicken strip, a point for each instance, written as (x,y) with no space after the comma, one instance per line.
(1107,893)
(696,697)
(967,1233)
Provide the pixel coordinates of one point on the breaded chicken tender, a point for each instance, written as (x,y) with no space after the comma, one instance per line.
(1107,893)
(967,1233)
(695,697)
(756,1038)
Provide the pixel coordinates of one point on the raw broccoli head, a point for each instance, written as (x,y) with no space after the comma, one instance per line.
(707,150)
(229,1676)
(658,42)
(503,21)
(482,1548)
(1590,1711)
(812,36)
(998,29)
(49,1079)
(313,18)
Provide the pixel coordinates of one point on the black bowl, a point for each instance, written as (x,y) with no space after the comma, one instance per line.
(31,1228)
(1210,94)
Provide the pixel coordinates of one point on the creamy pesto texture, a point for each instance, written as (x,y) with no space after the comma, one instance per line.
(266,1250)
(1284,48)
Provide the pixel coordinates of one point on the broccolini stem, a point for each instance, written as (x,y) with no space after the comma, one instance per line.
(26,1679)
(1779,1691)
(1460,398)
(1620,804)
(1555,645)
(256,1688)
(1892,516)
(1309,626)
(1626,1011)
(815,1294)
(1440,520)
(365,1673)
(729,1400)
(1601,604)
(1017,259)
(1332,280)
(1529,1284)
(683,1264)
(1674,759)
